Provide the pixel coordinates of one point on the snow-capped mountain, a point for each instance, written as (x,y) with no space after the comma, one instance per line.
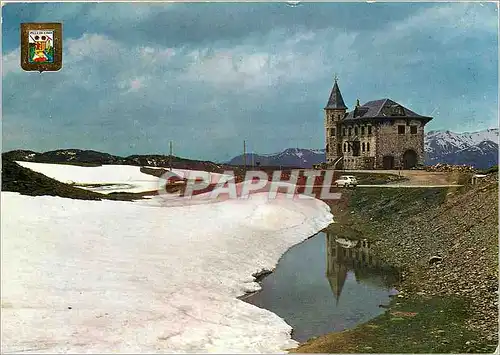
(291,157)
(479,149)
(443,142)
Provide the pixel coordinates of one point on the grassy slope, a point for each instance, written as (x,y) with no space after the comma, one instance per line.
(16,178)
(455,299)
(430,326)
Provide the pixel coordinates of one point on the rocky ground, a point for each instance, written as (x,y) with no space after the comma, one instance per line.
(452,250)
(448,167)
(446,241)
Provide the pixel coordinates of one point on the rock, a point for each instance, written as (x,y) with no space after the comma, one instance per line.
(435,259)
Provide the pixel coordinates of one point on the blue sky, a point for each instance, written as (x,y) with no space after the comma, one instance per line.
(208,75)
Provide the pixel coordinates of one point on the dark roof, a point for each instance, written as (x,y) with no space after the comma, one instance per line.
(381,109)
(336,100)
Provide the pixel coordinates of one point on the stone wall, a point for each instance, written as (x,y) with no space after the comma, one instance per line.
(389,142)
(384,140)
(332,117)
(367,156)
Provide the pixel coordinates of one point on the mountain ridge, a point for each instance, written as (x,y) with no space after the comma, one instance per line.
(478,149)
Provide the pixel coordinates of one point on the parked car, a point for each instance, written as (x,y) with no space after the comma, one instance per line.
(346,181)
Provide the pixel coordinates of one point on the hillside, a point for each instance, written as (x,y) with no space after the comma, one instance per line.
(94,158)
(16,178)
(446,243)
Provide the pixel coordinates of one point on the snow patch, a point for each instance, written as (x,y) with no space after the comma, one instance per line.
(108,276)
(118,178)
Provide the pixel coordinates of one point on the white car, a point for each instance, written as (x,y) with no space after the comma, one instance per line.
(346,181)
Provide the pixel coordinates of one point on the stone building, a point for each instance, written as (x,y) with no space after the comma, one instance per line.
(380,134)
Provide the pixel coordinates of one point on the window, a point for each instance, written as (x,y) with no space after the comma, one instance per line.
(369,130)
(350,131)
(333,132)
(356,147)
(339,148)
(327,148)
(363,146)
(355,131)
(413,129)
(348,147)
(345,147)
(367,147)
(362,130)
(343,133)
(401,129)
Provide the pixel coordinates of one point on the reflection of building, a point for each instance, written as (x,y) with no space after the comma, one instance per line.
(379,134)
(359,259)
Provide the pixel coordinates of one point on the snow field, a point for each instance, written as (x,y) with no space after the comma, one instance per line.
(142,277)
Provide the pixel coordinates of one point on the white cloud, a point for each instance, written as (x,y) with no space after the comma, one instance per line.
(133,84)
(91,47)
(11,62)
(278,61)
(128,13)
(444,23)
(226,88)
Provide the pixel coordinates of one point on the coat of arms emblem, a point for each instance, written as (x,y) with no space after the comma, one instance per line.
(41,46)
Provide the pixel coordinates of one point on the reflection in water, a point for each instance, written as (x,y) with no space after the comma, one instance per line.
(344,255)
(317,294)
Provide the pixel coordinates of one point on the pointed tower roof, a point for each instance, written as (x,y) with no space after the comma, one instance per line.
(336,101)
(337,281)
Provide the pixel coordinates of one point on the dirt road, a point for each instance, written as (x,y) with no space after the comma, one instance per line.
(416,178)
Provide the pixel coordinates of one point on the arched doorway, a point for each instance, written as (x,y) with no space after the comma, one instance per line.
(388,162)
(409,159)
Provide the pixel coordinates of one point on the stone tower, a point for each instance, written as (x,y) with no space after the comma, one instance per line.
(335,112)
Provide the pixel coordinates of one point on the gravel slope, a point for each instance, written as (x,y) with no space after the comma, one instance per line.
(461,235)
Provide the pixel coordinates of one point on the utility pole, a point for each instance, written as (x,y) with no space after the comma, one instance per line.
(253,160)
(170,157)
(245,155)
